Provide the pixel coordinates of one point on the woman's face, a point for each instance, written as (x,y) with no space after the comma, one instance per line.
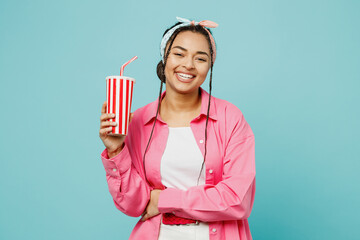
(188,63)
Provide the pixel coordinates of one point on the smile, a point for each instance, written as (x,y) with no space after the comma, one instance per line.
(183,77)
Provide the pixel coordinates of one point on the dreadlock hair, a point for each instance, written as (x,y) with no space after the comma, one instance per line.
(160,70)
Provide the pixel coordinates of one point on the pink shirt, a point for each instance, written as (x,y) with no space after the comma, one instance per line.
(226,199)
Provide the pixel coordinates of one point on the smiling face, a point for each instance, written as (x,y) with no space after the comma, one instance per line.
(188,63)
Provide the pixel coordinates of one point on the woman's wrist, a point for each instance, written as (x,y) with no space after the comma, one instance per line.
(112,153)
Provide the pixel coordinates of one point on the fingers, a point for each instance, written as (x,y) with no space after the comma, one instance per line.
(131,116)
(106,116)
(103,109)
(104,131)
(149,213)
(144,216)
(104,124)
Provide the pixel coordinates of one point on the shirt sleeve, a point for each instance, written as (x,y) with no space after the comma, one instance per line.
(130,192)
(230,199)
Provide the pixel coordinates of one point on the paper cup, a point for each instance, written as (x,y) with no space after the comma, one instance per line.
(119,92)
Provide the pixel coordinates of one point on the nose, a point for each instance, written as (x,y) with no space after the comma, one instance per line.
(188,62)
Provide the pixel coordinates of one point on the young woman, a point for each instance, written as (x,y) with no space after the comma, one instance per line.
(187,165)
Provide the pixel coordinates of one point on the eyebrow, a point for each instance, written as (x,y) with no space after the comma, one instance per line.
(184,49)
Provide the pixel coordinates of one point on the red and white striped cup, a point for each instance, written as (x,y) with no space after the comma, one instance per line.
(119,92)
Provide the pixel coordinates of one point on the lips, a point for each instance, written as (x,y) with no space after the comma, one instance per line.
(185,77)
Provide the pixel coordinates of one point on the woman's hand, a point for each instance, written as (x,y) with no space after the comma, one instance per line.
(152,207)
(114,144)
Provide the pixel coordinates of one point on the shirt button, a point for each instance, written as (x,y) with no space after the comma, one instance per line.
(210,171)
(201,141)
(114,169)
(214,229)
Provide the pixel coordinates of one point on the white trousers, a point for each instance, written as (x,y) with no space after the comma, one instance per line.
(184,232)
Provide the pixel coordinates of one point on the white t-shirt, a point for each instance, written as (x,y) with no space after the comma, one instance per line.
(182,159)
(180,168)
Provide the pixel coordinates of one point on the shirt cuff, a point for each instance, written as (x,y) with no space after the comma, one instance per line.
(118,164)
(170,200)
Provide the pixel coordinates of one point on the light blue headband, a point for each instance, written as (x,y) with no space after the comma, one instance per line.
(186,22)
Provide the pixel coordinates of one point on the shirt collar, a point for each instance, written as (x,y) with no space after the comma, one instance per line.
(150,111)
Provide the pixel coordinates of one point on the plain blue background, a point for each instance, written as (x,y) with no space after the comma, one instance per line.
(292,67)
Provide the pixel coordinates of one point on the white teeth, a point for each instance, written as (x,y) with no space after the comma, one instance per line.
(183,75)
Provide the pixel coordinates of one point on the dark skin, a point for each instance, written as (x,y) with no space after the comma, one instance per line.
(182,102)
(186,70)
